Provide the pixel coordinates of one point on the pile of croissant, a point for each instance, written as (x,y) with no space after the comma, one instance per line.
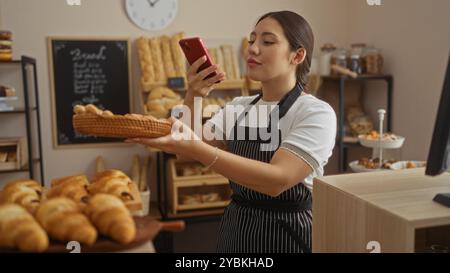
(72,209)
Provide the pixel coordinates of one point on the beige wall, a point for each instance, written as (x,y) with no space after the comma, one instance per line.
(414,36)
(32,21)
(412,33)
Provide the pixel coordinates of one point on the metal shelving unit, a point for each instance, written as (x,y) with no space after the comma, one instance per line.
(344,142)
(27,110)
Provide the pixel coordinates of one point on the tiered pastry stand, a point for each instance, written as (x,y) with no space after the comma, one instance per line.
(378,146)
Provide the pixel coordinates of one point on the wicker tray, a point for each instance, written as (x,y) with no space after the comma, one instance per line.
(89,120)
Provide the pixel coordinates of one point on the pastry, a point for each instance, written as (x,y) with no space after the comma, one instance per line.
(5,35)
(91,121)
(210,197)
(18,229)
(12,156)
(27,193)
(191,199)
(220,60)
(109,214)
(63,221)
(72,187)
(161,100)
(155,50)
(6,91)
(213,54)
(178,56)
(112,182)
(146,60)
(3,157)
(227,51)
(167,58)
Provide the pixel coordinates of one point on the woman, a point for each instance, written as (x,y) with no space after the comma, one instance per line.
(271,203)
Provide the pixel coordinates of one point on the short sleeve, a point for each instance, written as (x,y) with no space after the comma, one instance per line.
(221,123)
(312,135)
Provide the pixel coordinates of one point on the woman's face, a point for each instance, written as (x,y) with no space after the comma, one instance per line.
(269,53)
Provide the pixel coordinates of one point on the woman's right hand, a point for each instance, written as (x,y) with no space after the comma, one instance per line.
(197,84)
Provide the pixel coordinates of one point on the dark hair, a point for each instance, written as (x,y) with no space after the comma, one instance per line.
(299,34)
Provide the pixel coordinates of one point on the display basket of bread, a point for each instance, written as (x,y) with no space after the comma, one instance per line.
(90,120)
(96,214)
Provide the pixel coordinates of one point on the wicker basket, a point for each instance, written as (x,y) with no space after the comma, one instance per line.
(128,126)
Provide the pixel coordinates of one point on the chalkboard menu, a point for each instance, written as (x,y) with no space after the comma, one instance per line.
(87,72)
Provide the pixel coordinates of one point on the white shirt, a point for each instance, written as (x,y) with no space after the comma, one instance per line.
(308,130)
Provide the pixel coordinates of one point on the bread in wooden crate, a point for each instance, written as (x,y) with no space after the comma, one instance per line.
(90,120)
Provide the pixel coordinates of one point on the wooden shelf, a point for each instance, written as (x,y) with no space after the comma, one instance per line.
(230,84)
(360,77)
(11,62)
(198,213)
(204,205)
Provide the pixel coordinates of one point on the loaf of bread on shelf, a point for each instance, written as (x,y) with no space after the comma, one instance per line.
(19,230)
(64,221)
(167,57)
(227,51)
(72,187)
(189,199)
(161,100)
(220,60)
(155,49)
(26,193)
(178,56)
(146,60)
(111,217)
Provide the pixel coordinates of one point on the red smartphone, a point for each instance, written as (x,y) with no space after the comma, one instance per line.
(194,49)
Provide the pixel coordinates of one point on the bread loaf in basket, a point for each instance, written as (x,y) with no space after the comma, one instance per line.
(90,120)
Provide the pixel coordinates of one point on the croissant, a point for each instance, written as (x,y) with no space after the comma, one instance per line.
(72,187)
(26,193)
(111,217)
(18,229)
(112,182)
(63,220)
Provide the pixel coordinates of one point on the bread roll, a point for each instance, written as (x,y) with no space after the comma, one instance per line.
(63,221)
(155,47)
(18,229)
(167,58)
(26,193)
(111,217)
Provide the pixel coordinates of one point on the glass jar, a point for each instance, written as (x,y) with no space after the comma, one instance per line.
(325,59)
(373,61)
(355,62)
(339,58)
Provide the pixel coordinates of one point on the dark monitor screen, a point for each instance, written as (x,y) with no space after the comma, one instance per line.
(439,154)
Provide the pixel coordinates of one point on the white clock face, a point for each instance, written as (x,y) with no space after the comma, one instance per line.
(152,14)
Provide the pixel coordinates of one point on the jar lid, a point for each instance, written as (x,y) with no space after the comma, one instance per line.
(358,45)
(328,46)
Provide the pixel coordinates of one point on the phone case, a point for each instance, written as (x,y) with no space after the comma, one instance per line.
(194,49)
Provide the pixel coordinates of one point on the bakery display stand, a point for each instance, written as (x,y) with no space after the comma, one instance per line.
(32,139)
(343,141)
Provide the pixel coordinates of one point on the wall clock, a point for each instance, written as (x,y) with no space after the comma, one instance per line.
(152,15)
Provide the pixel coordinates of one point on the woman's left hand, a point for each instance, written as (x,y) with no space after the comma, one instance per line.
(181,141)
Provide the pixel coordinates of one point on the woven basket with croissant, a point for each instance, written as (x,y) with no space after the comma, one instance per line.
(92,121)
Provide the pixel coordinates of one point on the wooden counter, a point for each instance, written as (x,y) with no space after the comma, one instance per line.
(394,208)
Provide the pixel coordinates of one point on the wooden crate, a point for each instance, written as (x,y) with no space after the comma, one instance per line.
(16,146)
(180,185)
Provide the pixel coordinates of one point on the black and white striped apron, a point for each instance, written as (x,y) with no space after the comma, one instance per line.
(258,223)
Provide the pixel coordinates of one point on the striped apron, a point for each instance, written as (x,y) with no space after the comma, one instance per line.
(258,223)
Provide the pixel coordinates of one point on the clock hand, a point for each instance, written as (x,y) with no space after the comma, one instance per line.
(152,3)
